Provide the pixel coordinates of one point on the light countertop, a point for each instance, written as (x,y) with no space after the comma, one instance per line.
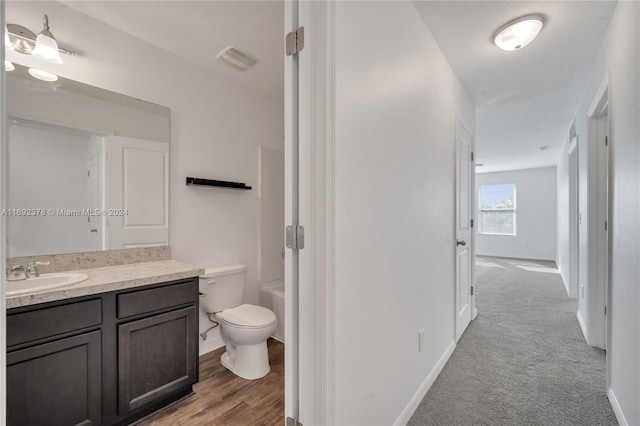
(111,278)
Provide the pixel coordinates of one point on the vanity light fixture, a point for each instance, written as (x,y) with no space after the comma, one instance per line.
(42,75)
(518,33)
(46,45)
(8,66)
(23,40)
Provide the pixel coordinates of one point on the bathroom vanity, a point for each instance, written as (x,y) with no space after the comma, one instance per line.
(106,351)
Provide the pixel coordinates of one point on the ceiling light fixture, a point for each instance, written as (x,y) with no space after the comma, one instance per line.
(42,75)
(46,45)
(518,33)
(8,66)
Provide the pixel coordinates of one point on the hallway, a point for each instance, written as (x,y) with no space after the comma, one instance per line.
(523,360)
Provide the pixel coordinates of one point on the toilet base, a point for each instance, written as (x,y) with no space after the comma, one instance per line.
(248,361)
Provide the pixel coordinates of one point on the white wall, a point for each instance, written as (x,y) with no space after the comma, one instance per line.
(618,57)
(217,127)
(396,103)
(535,216)
(48,169)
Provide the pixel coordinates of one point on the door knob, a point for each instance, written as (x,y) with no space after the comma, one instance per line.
(461,243)
(94,230)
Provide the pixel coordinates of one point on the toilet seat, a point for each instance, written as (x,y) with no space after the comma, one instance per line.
(247,316)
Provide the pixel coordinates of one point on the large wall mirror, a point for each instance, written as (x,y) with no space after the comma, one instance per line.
(87,169)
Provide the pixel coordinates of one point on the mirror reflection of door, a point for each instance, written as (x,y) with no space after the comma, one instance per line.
(95,233)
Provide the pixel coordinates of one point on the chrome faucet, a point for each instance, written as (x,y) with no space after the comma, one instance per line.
(32,268)
(16,273)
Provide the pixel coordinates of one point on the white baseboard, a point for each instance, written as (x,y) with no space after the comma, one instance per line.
(516,256)
(583,328)
(617,410)
(411,407)
(566,284)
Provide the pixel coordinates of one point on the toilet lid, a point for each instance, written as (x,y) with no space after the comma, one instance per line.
(248,316)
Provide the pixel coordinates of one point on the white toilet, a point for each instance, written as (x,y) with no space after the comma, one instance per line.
(244,328)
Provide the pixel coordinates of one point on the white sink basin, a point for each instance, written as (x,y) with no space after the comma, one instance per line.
(44,282)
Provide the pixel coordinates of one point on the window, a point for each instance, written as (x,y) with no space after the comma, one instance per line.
(497,209)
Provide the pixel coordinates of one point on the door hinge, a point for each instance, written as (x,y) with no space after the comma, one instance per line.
(605,310)
(295,237)
(293,422)
(472,223)
(88,173)
(473,156)
(606,141)
(472,290)
(606,226)
(295,41)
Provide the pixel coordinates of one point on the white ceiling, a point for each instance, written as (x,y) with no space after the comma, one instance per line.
(198,30)
(526,98)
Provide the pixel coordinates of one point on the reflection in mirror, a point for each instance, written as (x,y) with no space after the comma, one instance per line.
(87,168)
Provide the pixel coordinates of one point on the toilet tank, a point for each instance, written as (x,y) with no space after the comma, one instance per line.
(222,288)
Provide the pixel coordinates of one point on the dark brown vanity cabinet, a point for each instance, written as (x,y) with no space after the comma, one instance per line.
(156,357)
(56,383)
(107,359)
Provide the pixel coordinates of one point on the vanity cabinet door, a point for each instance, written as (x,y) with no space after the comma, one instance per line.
(157,356)
(57,383)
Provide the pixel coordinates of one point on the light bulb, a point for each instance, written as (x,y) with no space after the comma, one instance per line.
(42,75)
(47,49)
(7,40)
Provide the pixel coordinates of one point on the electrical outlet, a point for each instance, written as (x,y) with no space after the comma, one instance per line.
(420,340)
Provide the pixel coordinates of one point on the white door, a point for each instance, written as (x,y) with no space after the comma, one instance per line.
(137,192)
(463,241)
(291,217)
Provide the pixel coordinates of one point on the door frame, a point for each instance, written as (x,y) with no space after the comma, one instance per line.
(574,228)
(291,279)
(315,111)
(599,281)
(3,237)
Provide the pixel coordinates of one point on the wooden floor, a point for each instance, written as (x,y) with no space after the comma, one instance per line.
(222,398)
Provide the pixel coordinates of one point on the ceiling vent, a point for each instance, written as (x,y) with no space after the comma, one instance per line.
(236,58)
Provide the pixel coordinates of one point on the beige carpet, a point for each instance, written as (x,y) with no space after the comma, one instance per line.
(523,361)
